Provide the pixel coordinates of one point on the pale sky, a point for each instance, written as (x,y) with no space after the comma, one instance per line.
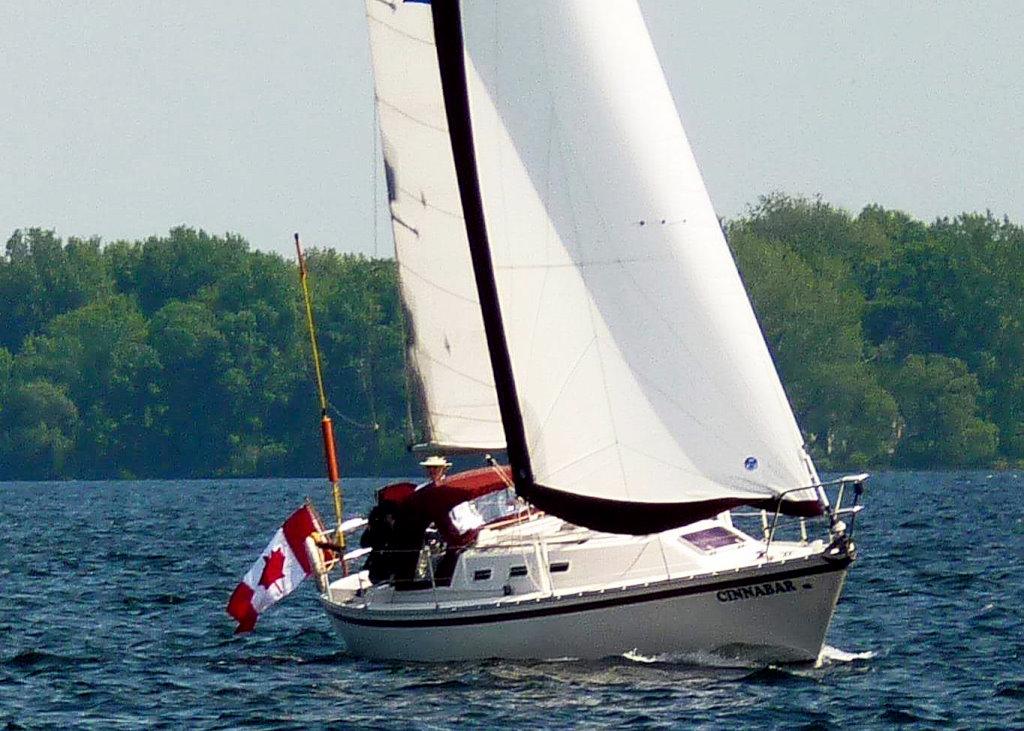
(122,118)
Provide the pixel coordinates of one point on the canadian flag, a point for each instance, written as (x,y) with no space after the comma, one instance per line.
(281,568)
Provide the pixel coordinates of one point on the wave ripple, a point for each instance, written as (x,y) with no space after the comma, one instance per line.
(111,616)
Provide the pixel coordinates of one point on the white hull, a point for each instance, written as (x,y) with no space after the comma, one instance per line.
(783,627)
(769,610)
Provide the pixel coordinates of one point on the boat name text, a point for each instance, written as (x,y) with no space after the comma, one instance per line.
(756,590)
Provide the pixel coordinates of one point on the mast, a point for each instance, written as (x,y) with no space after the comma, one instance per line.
(451,61)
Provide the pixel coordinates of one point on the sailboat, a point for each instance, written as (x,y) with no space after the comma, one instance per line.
(571,300)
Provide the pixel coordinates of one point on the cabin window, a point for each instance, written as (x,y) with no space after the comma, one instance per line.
(481,575)
(560,567)
(711,538)
(517,571)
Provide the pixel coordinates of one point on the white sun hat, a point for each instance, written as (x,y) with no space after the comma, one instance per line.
(435,461)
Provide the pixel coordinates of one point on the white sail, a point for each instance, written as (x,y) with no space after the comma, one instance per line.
(447,350)
(641,372)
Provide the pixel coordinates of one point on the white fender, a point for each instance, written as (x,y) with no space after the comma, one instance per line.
(316,561)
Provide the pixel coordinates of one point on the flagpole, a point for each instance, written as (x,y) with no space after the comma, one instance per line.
(326,428)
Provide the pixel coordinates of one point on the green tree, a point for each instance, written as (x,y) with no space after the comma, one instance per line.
(6,375)
(186,354)
(41,278)
(937,396)
(99,357)
(956,288)
(189,430)
(812,325)
(361,334)
(37,431)
(178,266)
(835,246)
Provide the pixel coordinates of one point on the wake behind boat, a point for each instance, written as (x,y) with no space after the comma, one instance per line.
(570,299)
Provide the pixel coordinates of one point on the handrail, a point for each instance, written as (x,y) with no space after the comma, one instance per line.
(833,512)
(775,519)
(353,524)
(504,546)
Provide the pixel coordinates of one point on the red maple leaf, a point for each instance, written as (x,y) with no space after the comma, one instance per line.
(273,569)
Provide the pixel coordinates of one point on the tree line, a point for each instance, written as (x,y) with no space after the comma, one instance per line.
(900,343)
(186,355)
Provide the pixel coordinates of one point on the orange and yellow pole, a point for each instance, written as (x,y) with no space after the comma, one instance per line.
(326,428)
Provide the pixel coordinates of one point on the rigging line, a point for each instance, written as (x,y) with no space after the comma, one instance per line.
(394,29)
(639,555)
(666,463)
(733,403)
(471,405)
(410,117)
(501,474)
(458,447)
(421,199)
(350,420)
(656,309)
(396,219)
(374,179)
(371,402)
(777,386)
(456,371)
(585,264)
(596,212)
(687,415)
(329,406)
(548,238)
(565,383)
(463,417)
(410,427)
(582,458)
(414,387)
(593,329)
(493,92)
(435,285)
(664,558)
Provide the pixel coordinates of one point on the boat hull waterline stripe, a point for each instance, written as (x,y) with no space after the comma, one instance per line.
(580,607)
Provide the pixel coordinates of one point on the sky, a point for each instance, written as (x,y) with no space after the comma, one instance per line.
(123,118)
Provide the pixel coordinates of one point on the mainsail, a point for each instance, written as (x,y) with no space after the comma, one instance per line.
(635,386)
(447,351)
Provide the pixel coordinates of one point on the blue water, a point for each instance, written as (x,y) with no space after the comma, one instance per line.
(111,616)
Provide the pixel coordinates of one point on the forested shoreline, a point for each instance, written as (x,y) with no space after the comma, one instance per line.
(900,343)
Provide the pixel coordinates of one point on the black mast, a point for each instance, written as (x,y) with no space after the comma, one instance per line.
(451,60)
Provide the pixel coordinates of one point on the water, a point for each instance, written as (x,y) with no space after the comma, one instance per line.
(111,616)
